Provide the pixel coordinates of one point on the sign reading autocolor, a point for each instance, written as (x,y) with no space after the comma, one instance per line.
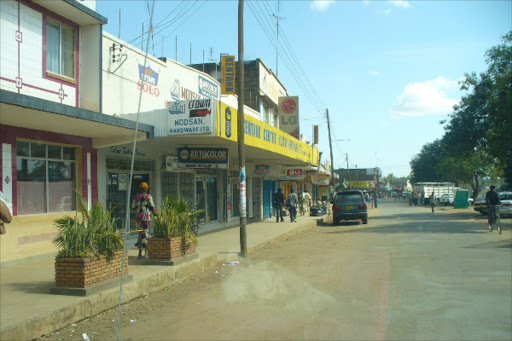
(203,158)
(191,117)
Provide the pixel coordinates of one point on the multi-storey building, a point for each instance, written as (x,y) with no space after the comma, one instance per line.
(50,117)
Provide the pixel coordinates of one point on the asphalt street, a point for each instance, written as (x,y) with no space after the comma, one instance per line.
(408,275)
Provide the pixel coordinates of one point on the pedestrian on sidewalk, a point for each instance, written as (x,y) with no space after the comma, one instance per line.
(292,202)
(432,201)
(143,205)
(279,204)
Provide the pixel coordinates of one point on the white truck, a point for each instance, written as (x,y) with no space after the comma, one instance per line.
(439,188)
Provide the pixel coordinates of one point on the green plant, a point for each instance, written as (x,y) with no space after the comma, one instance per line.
(94,234)
(175,219)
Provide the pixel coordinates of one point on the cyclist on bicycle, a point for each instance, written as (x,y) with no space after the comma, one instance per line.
(492,200)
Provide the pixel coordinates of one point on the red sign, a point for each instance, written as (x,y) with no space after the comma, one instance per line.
(288,106)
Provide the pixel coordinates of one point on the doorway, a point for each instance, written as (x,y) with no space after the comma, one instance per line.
(206,197)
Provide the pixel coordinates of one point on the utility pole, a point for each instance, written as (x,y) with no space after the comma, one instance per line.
(330,149)
(119,31)
(241,131)
(176,59)
(191,53)
(142,41)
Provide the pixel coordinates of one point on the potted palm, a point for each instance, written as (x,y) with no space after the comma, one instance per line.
(173,230)
(89,248)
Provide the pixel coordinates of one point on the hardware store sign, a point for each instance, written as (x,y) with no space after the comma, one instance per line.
(191,117)
(216,158)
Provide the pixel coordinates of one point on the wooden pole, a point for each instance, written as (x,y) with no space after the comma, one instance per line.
(241,131)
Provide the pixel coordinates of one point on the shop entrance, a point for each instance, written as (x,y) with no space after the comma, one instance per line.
(206,197)
(117,185)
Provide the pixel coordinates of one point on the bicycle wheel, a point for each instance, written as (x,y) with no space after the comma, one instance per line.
(491,220)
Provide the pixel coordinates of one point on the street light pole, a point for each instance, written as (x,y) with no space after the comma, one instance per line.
(348,171)
(241,136)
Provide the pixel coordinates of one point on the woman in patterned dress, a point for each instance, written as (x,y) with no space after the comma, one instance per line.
(143,205)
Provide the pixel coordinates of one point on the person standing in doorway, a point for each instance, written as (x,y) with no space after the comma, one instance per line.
(292,202)
(279,204)
(143,205)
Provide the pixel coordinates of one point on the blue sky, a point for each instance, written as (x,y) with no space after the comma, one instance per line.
(388,71)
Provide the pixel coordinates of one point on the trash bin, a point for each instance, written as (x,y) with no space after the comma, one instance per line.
(461,199)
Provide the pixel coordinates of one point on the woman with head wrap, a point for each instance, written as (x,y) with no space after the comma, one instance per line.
(143,205)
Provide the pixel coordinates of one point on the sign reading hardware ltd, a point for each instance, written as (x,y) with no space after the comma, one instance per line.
(203,158)
(191,117)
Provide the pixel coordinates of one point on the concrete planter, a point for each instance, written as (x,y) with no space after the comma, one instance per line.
(170,248)
(85,272)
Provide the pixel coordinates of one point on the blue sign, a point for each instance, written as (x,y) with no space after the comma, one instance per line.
(148,75)
(208,88)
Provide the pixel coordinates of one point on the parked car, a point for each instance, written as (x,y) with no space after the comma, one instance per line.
(446,199)
(349,205)
(506,204)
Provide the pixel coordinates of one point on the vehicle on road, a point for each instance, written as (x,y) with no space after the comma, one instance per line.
(506,204)
(350,205)
(446,199)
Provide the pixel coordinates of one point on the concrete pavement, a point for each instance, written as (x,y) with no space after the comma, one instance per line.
(28,310)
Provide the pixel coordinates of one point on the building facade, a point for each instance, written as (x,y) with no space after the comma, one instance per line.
(51,124)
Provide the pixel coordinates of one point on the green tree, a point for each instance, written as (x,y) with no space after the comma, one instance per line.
(424,166)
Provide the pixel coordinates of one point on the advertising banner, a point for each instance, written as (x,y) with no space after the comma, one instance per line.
(262,135)
(216,158)
(227,66)
(265,170)
(192,117)
(315,134)
(289,115)
(292,174)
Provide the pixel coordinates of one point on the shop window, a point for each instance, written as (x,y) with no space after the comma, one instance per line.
(46,178)
(60,49)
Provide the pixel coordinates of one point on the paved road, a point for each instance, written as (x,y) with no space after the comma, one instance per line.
(408,274)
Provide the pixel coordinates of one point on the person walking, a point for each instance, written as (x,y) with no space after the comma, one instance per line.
(279,204)
(292,202)
(307,200)
(433,201)
(143,205)
(5,213)
(375,199)
(422,201)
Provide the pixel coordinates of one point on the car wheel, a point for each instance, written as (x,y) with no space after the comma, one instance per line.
(365,221)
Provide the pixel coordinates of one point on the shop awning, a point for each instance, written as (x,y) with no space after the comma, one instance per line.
(74,11)
(34,113)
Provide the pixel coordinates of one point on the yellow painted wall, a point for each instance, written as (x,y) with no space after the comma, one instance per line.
(29,236)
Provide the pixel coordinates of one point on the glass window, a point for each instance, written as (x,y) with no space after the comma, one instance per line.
(69,153)
(348,197)
(54,152)
(60,49)
(37,150)
(21,148)
(45,184)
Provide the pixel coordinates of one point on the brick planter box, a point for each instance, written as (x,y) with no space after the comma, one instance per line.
(169,248)
(84,272)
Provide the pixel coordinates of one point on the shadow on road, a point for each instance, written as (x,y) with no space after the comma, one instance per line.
(416,227)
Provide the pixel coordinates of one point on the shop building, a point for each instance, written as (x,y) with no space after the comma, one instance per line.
(191,117)
(51,124)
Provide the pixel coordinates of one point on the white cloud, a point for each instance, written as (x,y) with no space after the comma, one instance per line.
(374,72)
(321,5)
(400,3)
(366,2)
(434,97)
(387,11)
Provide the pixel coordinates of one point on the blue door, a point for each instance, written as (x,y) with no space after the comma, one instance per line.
(267,199)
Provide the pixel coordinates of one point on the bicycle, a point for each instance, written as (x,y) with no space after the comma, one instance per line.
(494,218)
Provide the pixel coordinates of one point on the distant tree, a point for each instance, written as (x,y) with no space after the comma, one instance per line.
(481,124)
(424,166)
